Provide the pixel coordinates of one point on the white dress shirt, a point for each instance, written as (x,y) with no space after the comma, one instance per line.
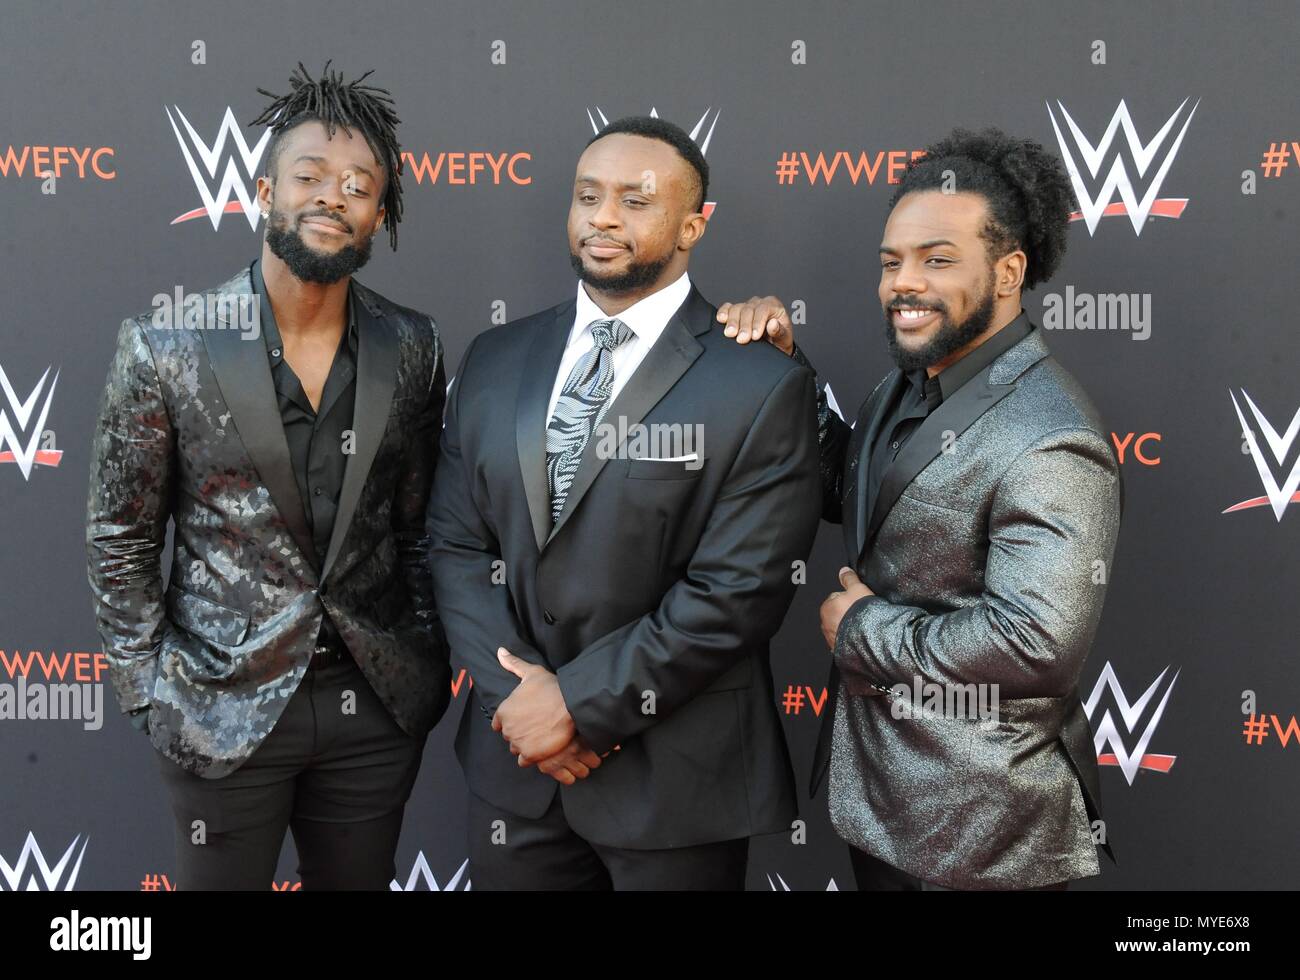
(646,319)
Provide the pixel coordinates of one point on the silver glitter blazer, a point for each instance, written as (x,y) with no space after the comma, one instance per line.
(988,550)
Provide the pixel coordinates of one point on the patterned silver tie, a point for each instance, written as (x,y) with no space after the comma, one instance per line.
(583,401)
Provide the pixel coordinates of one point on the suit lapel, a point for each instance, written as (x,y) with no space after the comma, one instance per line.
(243,374)
(665,362)
(860,491)
(956,414)
(530,415)
(849,521)
(377,362)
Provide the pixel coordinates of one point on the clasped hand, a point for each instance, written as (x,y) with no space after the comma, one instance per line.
(538,727)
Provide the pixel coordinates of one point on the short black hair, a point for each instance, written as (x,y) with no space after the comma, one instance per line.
(351,105)
(666,132)
(1027,190)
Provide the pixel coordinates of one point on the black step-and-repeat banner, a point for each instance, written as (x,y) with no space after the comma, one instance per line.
(127,171)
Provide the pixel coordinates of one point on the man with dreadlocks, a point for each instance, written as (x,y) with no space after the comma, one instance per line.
(980,501)
(290,671)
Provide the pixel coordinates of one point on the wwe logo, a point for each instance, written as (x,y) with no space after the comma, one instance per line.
(26,454)
(1280,445)
(831,887)
(231,182)
(420,870)
(709,206)
(49,877)
(1117,178)
(1106,732)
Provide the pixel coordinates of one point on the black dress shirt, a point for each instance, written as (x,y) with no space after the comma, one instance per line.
(916,400)
(922,395)
(316,437)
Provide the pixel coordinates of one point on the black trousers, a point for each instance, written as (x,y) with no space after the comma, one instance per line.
(875,875)
(338,778)
(509,852)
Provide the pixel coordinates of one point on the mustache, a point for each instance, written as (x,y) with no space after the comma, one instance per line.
(900,304)
(343,225)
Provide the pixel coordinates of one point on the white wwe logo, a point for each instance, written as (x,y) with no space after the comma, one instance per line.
(1117,179)
(421,871)
(232,182)
(1280,445)
(1106,732)
(654,114)
(26,454)
(49,877)
(830,887)
(709,206)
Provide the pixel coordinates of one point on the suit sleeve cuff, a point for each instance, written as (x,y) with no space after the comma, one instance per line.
(584,712)
(852,654)
(133,681)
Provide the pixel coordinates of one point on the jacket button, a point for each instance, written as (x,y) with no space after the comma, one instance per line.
(546,615)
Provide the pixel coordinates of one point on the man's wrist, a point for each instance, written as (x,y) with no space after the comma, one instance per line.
(563,717)
(599,742)
(845,657)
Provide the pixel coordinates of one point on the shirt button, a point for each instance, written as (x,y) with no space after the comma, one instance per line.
(550,620)
(316,491)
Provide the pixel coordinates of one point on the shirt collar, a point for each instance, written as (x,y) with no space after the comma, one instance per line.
(646,318)
(955,375)
(271,332)
(917,379)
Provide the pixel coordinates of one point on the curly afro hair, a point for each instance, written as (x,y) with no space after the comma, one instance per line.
(1027,189)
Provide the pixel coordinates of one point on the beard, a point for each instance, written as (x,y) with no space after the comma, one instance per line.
(635,276)
(305,262)
(948,339)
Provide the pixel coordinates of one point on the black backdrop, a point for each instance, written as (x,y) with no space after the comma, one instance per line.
(1201,609)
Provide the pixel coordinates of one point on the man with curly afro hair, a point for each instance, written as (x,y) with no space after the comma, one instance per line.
(980,501)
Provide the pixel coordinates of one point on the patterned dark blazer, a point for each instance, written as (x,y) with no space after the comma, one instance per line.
(189,429)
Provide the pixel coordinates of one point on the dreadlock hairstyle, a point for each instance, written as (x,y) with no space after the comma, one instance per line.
(1027,191)
(349,105)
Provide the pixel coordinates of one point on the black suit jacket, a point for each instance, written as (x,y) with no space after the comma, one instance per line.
(654,596)
(190,430)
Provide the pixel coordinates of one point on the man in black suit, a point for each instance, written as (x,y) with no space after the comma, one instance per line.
(291,669)
(622,507)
